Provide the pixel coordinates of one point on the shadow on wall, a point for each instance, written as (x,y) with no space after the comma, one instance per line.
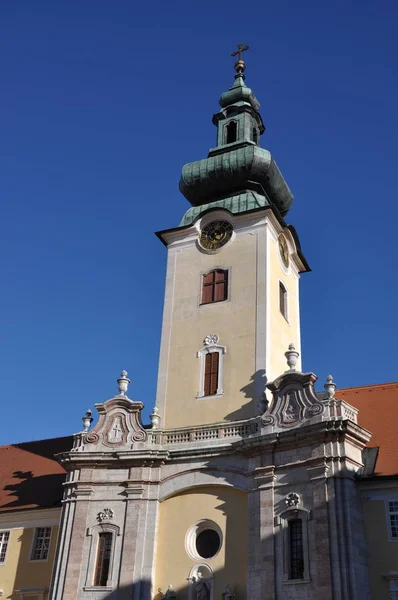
(31,575)
(255,392)
(141,591)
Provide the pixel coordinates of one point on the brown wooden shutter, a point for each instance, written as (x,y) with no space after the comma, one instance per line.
(215,286)
(214,373)
(208,288)
(207,375)
(221,291)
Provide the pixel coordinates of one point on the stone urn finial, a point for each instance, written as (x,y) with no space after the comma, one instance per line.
(155,418)
(123,383)
(291,357)
(330,386)
(87,420)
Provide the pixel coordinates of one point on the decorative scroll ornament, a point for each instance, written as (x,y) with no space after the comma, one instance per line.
(105,515)
(211,339)
(292,499)
(92,438)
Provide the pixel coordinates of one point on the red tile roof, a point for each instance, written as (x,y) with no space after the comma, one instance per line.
(377,405)
(30,477)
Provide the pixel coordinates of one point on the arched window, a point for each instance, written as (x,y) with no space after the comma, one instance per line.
(103,558)
(296,549)
(283,299)
(294,538)
(255,135)
(215,286)
(104,543)
(231,132)
(211,374)
(211,367)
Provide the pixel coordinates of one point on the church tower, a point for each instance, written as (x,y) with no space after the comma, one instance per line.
(232,288)
(229,493)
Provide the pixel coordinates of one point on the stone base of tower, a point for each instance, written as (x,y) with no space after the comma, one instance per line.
(266,507)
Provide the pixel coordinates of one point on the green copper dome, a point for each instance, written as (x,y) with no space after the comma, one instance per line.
(237,166)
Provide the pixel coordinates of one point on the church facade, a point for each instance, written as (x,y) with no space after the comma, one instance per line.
(247,484)
(232,488)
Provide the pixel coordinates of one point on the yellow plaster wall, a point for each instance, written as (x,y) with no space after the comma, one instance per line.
(234,321)
(225,506)
(383,554)
(19,571)
(282,331)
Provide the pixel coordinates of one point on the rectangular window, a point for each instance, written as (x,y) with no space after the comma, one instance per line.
(211,374)
(103,558)
(4,539)
(296,549)
(393,519)
(41,543)
(215,286)
(283,299)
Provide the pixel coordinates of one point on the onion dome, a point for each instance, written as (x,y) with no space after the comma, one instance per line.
(237,166)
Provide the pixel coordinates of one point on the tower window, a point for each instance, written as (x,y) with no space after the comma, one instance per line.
(211,374)
(296,549)
(255,135)
(103,558)
(283,299)
(231,132)
(215,286)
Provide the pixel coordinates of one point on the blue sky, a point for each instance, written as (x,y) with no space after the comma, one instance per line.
(102,103)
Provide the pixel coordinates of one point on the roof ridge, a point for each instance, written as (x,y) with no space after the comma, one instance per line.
(371,385)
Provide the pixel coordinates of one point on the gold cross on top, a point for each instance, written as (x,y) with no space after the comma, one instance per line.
(241,48)
(240,64)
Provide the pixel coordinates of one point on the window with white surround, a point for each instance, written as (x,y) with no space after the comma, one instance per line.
(104,544)
(283,299)
(294,541)
(392,506)
(211,367)
(4,539)
(41,543)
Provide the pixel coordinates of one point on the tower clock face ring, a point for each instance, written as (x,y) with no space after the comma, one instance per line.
(283,249)
(216,234)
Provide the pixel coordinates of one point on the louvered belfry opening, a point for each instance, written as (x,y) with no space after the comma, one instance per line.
(215,286)
(103,558)
(211,373)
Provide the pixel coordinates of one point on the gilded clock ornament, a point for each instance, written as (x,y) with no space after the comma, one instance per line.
(283,249)
(216,234)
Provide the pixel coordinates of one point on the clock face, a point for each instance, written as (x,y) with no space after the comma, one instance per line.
(283,249)
(215,234)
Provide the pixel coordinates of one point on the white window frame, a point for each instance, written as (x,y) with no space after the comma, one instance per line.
(290,514)
(392,578)
(93,534)
(6,543)
(202,355)
(284,314)
(389,512)
(34,540)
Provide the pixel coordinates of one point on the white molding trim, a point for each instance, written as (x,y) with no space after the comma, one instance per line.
(93,534)
(30,519)
(388,513)
(289,514)
(202,355)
